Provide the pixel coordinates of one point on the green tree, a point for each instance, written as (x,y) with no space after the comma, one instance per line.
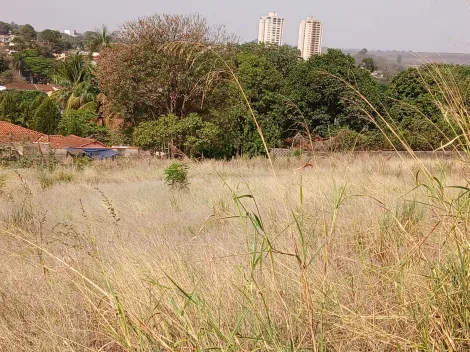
(74,76)
(191,134)
(80,123)
(283,58)
(163,67)
(5,28)
(16,108)
(20,44)
(100,38)
(323,89)
(33,65)
(262,83)
(155,135)
(52,40)
(369,64)
(69,42)
(47,117)
(36,102)
(9,109)
(419,100)
(27,33)
(197,137)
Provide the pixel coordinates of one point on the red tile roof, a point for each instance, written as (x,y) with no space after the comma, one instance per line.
(46,88)
(72,141)
(10,133)
(14,133)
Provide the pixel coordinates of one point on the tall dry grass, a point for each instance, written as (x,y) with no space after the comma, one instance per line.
(354,254)
(357,253)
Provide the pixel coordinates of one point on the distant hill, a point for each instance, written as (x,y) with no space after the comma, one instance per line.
(413,59)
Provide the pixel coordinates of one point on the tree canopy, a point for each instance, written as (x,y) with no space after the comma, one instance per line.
(163,66)
(175,78)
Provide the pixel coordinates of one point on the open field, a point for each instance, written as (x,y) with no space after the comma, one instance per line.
(352,254)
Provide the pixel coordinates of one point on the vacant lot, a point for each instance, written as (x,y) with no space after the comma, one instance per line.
(352,254)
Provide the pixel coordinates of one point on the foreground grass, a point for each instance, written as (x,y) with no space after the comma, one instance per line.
(352,254)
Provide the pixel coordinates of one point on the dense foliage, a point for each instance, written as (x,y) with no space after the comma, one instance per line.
(47,117)
(81,123)
(173,79)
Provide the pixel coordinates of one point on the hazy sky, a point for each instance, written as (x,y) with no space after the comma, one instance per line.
(418,25)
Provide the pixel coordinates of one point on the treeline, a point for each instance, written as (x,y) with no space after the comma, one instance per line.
(176,79)
(33,54)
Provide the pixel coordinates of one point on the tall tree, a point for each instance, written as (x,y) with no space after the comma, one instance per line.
(74,76)
(100,38)
(52,40)
(27,33)
(9,109)
(80,123)
(47,117)
(33,65)
(369,64)
(5,28)
(163,66)
(323,89)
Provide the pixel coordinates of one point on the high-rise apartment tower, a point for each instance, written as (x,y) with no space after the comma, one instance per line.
(310,37)
(271,29)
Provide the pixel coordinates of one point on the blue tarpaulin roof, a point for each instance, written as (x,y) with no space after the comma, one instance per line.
(94,153)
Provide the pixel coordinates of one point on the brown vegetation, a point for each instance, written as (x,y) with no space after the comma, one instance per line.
(352,254)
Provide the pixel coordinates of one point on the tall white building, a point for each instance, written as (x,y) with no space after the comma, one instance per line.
(271,29)
(71,32)
(310,37)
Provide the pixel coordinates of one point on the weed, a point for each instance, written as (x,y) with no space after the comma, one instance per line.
(176,176)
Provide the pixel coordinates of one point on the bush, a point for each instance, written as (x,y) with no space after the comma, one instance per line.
(346,139)
(80,123)
(9,110)
(47,117)
(176,176)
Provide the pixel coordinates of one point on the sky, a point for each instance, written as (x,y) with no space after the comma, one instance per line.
(416,25)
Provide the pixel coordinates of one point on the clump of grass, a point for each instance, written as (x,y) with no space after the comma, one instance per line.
(46,179)
(49,178)
(176,176)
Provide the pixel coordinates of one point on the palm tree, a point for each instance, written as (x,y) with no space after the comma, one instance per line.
(100,38)
(77,89)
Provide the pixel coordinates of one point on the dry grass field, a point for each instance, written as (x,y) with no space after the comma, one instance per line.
(365,253)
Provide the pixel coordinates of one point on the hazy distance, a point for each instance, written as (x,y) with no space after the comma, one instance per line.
(418,25)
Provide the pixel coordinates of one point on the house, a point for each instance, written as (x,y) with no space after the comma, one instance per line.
(11,133)
(46,88)
(61,142)
(6,39)
(24,140)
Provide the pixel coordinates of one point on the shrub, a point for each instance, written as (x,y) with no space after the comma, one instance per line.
(9,110)
(47,117)
(347,140)
(80,123)
(176,176)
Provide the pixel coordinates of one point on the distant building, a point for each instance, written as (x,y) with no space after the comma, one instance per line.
(271,29)
(310,37)
(71,32)
(6,40)
(45,88)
